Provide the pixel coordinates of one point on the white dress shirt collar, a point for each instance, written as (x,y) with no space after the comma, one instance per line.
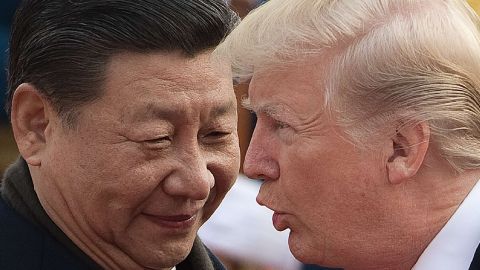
(454,246)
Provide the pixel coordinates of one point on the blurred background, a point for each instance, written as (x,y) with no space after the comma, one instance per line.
(241,231)
(8,150)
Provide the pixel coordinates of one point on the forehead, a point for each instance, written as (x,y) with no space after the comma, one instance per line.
(142,85)
(171,68)
(299,83)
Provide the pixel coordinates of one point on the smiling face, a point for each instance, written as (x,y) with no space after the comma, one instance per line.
(334,197)
(147,163)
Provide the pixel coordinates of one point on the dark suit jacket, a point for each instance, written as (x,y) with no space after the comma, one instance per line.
(25,246)
(476,260)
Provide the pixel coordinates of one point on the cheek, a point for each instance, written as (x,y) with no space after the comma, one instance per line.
(225,175)
(117,202)
(338,189)
(118,184)
(134,182)
(226,166)
(225,170)
(322,178)
(307,174)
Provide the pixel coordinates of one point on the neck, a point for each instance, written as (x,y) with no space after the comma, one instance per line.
(436,195)
(104,253)
(421,207)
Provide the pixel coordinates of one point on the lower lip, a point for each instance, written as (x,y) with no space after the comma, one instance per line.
(279,222)
(183,224)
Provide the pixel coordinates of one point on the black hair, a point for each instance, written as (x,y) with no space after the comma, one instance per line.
(63,46)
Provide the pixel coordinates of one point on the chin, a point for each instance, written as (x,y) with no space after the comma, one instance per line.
(159,252)
(303,257)
(164,259)
(305,251)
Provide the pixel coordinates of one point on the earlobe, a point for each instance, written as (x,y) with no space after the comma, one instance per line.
(29,121)
(407,152)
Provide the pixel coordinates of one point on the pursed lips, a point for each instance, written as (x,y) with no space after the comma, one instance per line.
(278,217)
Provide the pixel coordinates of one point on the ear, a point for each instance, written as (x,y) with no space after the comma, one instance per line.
(407,152)
(29,121)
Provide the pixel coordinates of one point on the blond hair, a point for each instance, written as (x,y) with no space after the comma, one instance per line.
(395,61)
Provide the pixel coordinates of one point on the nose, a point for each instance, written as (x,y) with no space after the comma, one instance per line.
(260,162)
(191,179)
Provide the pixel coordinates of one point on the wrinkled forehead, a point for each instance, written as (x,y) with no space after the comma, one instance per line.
(166,84)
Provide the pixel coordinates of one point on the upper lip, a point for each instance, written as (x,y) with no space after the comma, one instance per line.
(262,203)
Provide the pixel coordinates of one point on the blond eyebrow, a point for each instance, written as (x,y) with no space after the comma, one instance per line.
(247,104)
(273,110)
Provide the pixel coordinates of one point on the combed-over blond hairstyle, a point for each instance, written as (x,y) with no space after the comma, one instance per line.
(395,61)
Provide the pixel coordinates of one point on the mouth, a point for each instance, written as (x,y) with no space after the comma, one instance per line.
(279,221)
(278,218)
(173,221)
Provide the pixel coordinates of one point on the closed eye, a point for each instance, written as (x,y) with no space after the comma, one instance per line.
(159,140)
(217,134)
(216,137)
(280,125)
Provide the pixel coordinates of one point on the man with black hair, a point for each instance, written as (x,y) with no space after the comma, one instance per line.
(126,128)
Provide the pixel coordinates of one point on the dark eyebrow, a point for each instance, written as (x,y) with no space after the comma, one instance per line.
(153,110)
(223,109)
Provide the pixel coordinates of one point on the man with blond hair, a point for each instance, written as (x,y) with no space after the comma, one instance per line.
(368,131)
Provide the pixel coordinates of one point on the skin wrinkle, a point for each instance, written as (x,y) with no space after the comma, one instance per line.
(83,234)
